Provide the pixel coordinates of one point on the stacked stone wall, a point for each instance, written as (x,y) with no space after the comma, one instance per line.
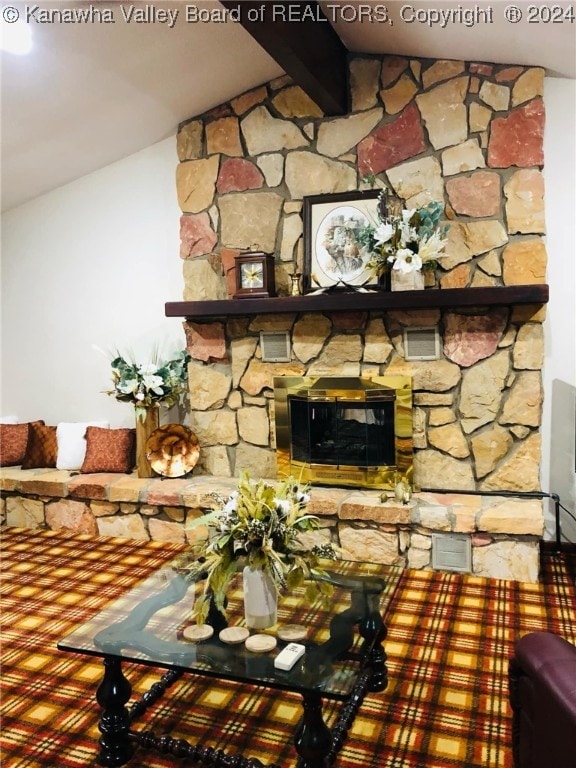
(464,133)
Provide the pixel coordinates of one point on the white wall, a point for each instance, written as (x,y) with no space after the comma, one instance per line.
(558,427)
(91,263)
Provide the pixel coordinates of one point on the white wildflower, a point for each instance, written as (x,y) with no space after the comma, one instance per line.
(431,249)
(128,387)
(407,234)
(383,233)
(406,261)
(231,505)
(153,383)
(283,505)
(147,368)
(407,214)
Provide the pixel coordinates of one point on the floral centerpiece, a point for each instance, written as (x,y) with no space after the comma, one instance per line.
(258,526)
(405,240)
(150,384)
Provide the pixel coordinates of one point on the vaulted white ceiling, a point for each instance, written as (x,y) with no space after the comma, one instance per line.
(89,94)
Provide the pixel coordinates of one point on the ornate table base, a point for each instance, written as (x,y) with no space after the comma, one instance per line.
(342,667)
(316,745)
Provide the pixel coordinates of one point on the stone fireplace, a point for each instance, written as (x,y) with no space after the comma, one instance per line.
(344,431)
(469,134)
(466,133)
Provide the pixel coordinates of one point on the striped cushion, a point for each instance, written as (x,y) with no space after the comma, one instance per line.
(42,446)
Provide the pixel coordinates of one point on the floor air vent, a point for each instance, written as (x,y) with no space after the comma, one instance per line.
(451,552)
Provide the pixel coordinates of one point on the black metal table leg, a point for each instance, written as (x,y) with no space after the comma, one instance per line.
(313,738)
(112,695)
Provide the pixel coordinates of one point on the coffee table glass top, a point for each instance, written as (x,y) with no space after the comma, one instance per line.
(146,625)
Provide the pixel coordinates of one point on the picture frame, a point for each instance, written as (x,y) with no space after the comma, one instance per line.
(332,258)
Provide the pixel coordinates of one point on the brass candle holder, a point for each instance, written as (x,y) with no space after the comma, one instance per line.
(295,287)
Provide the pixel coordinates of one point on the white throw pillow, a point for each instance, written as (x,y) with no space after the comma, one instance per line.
(9,419)
(72,442)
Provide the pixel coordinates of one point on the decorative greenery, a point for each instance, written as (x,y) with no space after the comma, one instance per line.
(405,239)
(369,179)
(154,383)
(258,525)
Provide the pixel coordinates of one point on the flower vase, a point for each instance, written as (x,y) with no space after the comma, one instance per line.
(260,598)
(407,281)
(146,423)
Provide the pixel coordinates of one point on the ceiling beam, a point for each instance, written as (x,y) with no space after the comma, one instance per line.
(299,37)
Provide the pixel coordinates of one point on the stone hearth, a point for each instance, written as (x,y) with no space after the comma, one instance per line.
(504,532)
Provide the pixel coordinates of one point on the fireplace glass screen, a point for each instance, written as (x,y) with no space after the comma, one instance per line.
(344,431)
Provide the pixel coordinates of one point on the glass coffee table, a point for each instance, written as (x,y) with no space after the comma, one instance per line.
(344,658)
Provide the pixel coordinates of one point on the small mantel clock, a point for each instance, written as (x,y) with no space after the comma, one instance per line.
(254,275)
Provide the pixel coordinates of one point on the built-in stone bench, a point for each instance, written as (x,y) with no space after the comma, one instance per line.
(505,532)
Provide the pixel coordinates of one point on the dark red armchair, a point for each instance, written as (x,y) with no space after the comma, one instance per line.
(542,678)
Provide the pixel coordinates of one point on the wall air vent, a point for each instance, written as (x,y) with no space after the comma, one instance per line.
(451,552)
(422,343)
(275,346)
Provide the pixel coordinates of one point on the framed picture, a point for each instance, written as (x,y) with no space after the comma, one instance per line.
(333,257)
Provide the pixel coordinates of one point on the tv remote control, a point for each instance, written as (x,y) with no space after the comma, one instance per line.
(289,656)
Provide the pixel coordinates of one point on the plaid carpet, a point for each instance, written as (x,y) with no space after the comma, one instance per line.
(449,641)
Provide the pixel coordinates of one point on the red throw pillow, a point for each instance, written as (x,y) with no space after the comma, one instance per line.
(42,447)
(13,442)
(109,450)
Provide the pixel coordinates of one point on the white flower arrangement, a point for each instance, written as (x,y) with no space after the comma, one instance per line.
(407,240)
(259,526)
(154,383)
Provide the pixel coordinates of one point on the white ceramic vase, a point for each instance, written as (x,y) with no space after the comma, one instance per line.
(407,281)
(260,598)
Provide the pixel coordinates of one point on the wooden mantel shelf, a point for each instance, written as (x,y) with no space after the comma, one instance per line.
(353,301)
